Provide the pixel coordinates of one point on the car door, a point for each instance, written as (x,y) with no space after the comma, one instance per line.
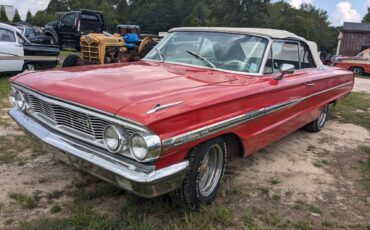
(325,85)
(67,29)
(284,100)
(10,49)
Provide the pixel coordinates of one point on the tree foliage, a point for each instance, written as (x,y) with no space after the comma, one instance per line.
(366,18)
(29,16)
(3,16)
(160,15)
(16,17)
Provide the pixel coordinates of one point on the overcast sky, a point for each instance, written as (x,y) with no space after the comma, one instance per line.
(338,10)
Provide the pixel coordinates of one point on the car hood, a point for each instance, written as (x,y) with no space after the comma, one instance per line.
(110,88)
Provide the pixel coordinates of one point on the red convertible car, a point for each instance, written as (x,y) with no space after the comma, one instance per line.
(168,123)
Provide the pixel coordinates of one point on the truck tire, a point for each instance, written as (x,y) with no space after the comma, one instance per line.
(206,168)
(71,60)
(358,70)
(316,125)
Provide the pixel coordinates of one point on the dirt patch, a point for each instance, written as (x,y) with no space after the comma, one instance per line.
(305,176)
(362,85)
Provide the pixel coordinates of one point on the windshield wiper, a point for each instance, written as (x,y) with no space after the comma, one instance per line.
(202,58)
(159,53)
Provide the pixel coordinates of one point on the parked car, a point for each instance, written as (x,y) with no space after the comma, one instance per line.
(359,64)
(72,25)
(17,53)
(34,35)
(169,122)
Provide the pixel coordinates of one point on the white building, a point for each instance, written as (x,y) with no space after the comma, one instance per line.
(10,11)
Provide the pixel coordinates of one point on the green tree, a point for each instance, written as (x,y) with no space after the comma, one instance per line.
(55,6)
(122,11)
(366,18)
(3,16)
(16,17)
(29,16)
(154,15)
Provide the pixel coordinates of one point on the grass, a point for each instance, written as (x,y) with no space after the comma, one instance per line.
(138,214)
(54,195)
(12,145)
(28,202)
(55,208)
(302,225)
(314,209)
(354,109)
(366,166)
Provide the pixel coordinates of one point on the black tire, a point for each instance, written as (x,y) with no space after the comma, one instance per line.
(319,123)
(358,71)
(190,195)
(71,60)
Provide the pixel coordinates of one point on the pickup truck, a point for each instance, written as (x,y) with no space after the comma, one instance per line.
(72,25)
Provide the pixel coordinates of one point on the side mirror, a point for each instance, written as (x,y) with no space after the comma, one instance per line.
(285,69)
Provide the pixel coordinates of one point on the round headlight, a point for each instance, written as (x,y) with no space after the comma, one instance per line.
(19,100)
(139,147)
(113,138)
(145,147)
(12,93)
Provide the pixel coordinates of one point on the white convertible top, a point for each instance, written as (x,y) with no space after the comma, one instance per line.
(271,33)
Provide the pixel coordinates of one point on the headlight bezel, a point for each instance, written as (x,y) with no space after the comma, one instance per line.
(11,95)
(121,138)
(22,100)
(153,147)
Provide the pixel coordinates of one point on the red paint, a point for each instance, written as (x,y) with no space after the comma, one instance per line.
(208,96)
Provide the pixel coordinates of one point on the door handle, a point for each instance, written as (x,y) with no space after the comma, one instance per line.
(310,84)
(18,45)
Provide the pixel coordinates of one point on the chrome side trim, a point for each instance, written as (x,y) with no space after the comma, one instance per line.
(160,107)
(231,122)
(222,125)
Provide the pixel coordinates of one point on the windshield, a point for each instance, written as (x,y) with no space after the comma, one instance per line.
(235,52)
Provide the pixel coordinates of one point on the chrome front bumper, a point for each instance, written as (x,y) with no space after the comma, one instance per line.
(138,179)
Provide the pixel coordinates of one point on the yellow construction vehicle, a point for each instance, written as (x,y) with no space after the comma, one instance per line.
(106,48)
(96,49)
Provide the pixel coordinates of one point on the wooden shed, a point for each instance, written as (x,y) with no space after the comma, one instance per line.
(354,38)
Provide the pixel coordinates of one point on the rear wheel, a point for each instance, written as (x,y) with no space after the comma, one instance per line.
(358,70)
(202,181)
(318,124)
(71,60)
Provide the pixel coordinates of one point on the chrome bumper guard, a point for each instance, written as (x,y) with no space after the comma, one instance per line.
(140,181)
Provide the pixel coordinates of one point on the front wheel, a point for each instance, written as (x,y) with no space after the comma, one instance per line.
(71,60)
(203,179)
(318,124)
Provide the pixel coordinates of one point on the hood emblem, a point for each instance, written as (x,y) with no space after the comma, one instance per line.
(158,107)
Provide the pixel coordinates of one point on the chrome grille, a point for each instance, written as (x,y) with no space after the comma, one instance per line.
(81,122)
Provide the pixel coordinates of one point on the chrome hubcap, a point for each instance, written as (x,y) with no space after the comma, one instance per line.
(322,117)
(210,170)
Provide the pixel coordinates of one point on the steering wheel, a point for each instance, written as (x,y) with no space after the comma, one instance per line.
(238,64)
